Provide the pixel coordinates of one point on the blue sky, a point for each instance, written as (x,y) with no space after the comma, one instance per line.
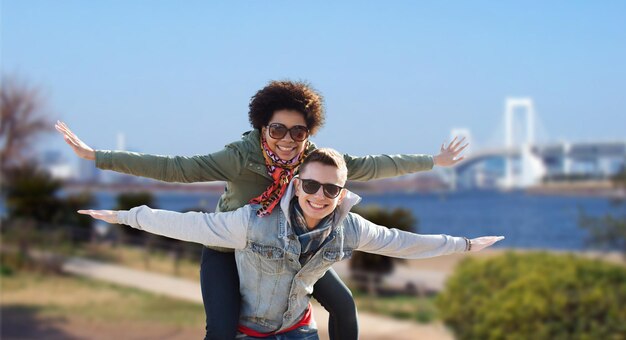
(176,76)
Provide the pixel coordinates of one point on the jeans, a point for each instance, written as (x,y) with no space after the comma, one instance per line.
(337,299)
(220,293)
(301,333)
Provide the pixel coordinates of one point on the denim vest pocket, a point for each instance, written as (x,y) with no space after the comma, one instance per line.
(335,255)
(271,260)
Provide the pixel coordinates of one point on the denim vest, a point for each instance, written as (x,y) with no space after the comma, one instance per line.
(268,268)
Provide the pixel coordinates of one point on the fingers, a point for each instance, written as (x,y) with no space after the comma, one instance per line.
(452,142)
(88,212)
(461,149)
(70,141)
(454,146)
(63,130)
(62,127)
(455,152)
(109,216)
(481,243)
(80,148)
(493,239)
(489,238)
(59,128)
(91,213)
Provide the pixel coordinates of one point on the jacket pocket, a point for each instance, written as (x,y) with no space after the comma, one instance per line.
(270,259)
(335,255)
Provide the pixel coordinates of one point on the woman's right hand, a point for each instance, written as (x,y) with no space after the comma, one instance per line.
(80,148)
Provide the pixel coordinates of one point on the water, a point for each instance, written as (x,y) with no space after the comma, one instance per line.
(177,201)
(527,221)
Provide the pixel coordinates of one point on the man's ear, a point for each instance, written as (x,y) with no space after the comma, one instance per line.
(342,195)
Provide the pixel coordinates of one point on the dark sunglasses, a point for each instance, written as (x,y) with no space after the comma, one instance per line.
(311,186)
(298,132)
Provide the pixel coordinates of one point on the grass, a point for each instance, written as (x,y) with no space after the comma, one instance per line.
(407,307)
(149,307)
(55,296)
(137,258)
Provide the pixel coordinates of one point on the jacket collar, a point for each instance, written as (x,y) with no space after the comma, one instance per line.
(342,209)
(252,139)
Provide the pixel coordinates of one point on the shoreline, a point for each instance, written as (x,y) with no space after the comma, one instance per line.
(604,188)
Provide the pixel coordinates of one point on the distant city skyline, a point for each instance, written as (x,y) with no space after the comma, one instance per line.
(397,78)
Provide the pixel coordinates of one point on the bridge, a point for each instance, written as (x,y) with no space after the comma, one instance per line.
(522,162)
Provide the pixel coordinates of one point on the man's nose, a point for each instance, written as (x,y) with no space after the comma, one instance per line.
(320,192)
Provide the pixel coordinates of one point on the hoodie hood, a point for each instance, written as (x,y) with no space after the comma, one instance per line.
(342,209)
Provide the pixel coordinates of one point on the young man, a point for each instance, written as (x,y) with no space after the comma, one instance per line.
(281,256)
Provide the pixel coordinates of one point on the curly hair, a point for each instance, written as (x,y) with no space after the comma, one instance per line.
(287,95)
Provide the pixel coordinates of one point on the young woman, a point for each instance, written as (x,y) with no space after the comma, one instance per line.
(257,169)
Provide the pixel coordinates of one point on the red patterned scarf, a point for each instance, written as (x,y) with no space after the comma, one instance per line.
(281,172)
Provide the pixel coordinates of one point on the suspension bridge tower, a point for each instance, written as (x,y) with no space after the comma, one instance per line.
(529,169)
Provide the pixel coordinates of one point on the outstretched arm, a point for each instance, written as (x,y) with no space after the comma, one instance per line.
(224,165)
(383,166)
(226,229)
(397,243)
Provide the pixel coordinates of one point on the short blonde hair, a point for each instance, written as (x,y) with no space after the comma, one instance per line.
(327,156)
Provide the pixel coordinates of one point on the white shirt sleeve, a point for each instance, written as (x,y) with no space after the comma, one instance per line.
(397,243)
(223,229)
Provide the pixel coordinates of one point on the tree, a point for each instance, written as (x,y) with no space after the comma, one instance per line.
(38,218)
(608,231)
(31,193)
(368,269)
(127,201)
(21,121)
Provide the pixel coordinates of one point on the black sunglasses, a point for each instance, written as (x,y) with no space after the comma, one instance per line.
(311,186)
(298,132)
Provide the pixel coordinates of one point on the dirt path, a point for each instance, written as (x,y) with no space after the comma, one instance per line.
(372,326)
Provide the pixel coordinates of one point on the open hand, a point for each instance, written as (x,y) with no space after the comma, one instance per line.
(481,243)
(448,155)
(80,148)
(109,216)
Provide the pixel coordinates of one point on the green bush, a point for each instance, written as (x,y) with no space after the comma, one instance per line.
(535,296)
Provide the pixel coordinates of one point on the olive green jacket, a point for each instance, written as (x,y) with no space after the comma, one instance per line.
(242,166)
